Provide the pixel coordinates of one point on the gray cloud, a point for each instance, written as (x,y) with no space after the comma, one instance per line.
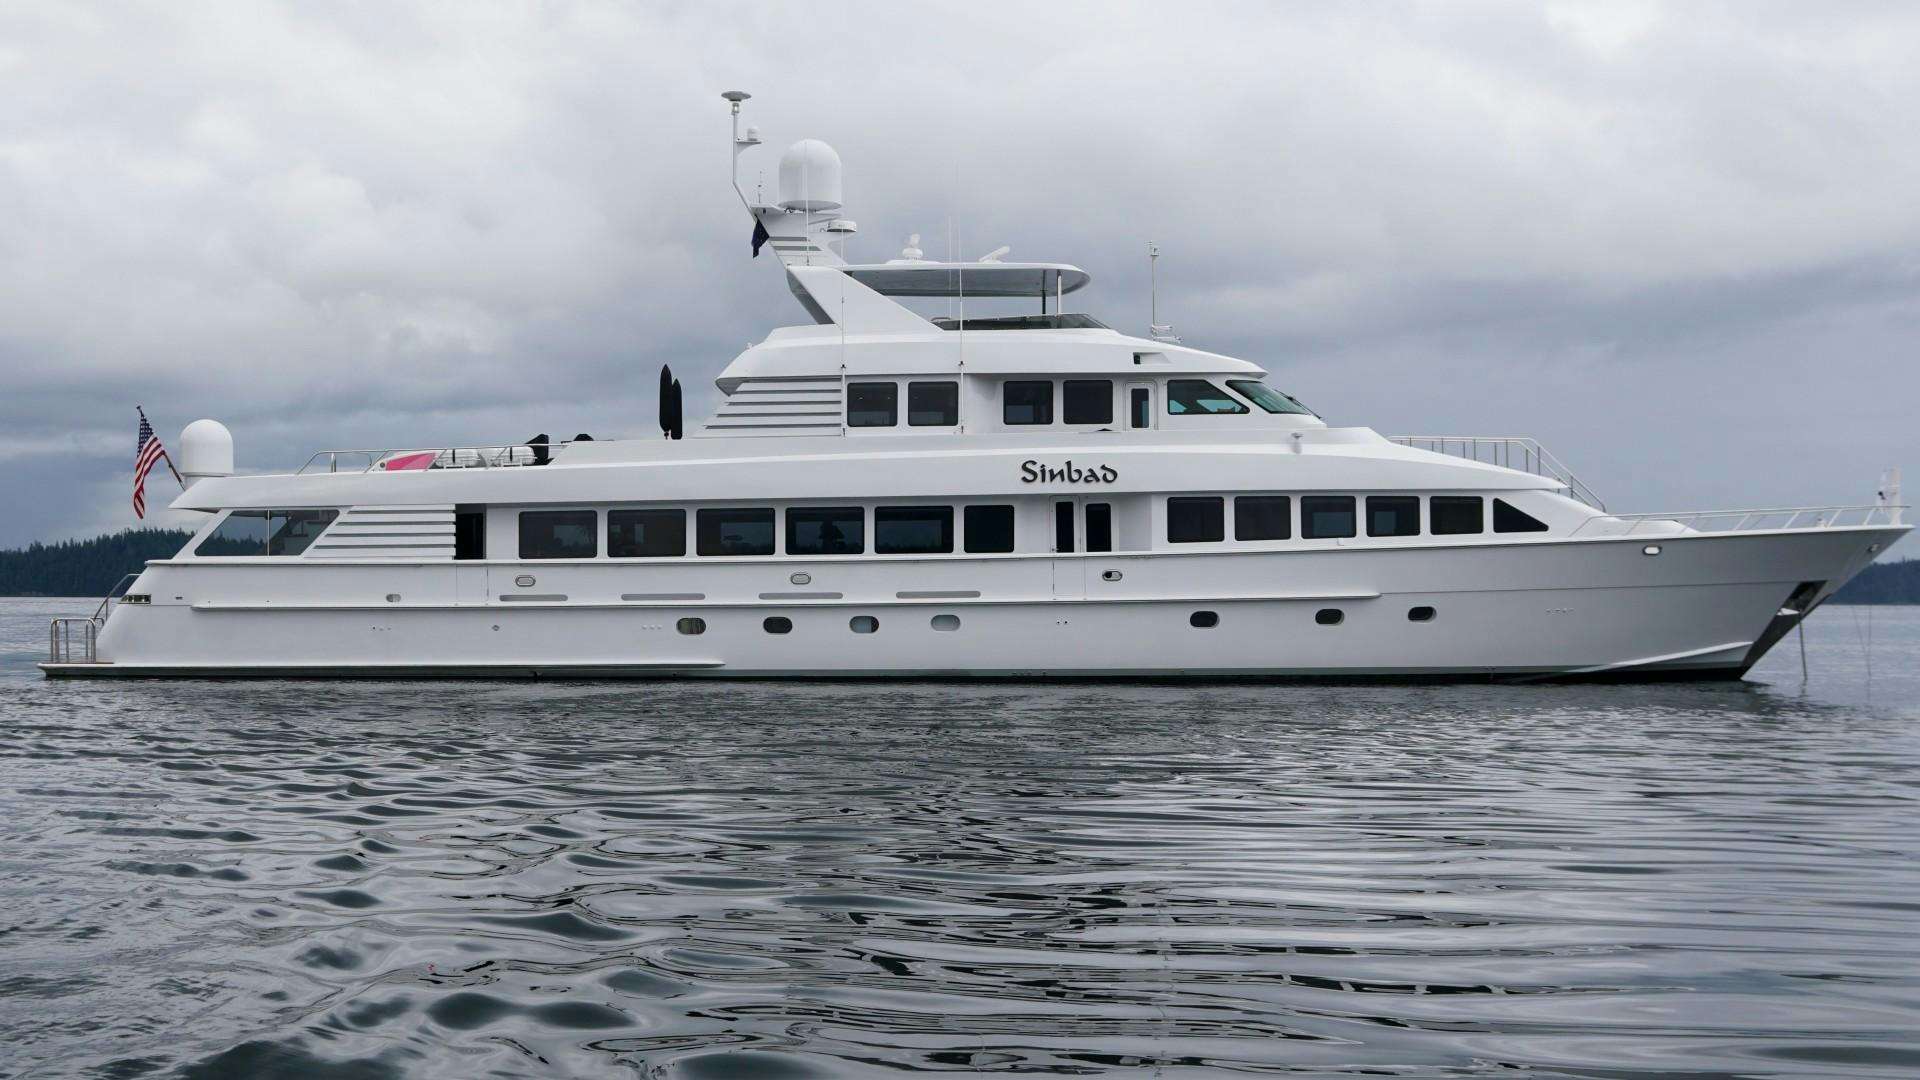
(1677,242)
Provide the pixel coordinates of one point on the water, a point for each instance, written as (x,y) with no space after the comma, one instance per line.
(707,880)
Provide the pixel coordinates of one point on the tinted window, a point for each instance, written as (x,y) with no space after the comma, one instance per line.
(1196,520)
(1027,402)
(1267,397)
(1198,396)
(825,530)
(1063,526)
(1141,400)
(933,404)
(912,530)
(872,404)
(736,532)
(558,534)
(1510,518)
(1393,515)
(1454,515)
(989,529)
(635,534)
(1087,401)
(470,534)
(1326,516)
(266,532)
(691,626)
(1099,526)
(1262,517)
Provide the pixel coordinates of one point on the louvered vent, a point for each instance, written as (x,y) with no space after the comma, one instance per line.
(388,532)
(790,406)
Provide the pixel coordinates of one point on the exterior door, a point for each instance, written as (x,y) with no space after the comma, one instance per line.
(1140,405)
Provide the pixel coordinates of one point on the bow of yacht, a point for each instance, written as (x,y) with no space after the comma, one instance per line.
(886,493)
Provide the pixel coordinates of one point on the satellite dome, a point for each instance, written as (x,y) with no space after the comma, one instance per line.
(810,177)
(206,449)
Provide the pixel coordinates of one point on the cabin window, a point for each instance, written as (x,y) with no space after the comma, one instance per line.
(469,533)
(1508,518)
(933,404)
(1026,403)
(640,534)
(1393,515)
(863,624)
(1326,517)
(736,532)
(1196,519)
(266,532)
(989,529)
(559,534)
(873,404)
(1187,397)
(691,626)
(1456,515)
(1099,526)
(1267,397)
(945,623)
(1140,401)
(1087,401)
(912,530)
(777,624)
(826,530)
(1263,517)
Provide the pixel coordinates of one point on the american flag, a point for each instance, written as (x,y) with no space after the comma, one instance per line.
(147,452)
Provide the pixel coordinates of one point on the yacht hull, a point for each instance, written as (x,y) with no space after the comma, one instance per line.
(1705,606)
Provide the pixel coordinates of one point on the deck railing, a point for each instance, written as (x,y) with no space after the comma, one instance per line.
(1507,451)
(1771,518)
(498,456)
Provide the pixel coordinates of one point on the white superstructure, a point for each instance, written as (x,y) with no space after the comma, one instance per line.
(883,493)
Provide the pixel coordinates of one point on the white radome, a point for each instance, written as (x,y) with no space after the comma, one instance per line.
(206,449)
(810,177)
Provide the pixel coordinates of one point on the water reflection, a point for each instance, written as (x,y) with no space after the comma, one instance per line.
(459,879)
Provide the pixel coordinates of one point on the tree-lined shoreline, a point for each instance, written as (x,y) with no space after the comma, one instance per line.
(91,567)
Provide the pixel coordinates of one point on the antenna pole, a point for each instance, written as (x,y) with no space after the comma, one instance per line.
(1153,284)
(733,99)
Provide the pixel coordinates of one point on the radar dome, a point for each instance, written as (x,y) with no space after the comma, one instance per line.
(206,449)
(810,177)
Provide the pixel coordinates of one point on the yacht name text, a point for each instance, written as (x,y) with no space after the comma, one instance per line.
(1034,472)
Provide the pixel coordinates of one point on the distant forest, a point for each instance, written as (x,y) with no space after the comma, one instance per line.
(84,567)
(91,567)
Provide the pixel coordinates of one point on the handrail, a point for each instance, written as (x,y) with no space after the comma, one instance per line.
(119,589)
(1519,452)
(1775,518)
(60,641)
(491,456)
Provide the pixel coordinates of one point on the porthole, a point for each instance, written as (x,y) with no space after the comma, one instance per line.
(1329,616)
(1420,614)
(1204,620)
(691,626)
(1110,575)
(778,624)
(863,624)
(1650,549)
(946,622)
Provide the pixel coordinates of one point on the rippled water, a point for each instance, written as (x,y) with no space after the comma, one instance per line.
(700,879)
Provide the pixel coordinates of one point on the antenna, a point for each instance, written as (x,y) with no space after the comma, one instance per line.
(751,139)
(1156,329)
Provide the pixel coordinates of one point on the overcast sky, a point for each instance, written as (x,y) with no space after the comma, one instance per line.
(1679,243)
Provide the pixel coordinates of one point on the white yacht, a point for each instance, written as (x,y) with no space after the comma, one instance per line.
(1027,495)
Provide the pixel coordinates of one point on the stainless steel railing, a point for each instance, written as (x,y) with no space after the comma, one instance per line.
(1517,452)
(497,456)
(1771,518)
(64,634)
